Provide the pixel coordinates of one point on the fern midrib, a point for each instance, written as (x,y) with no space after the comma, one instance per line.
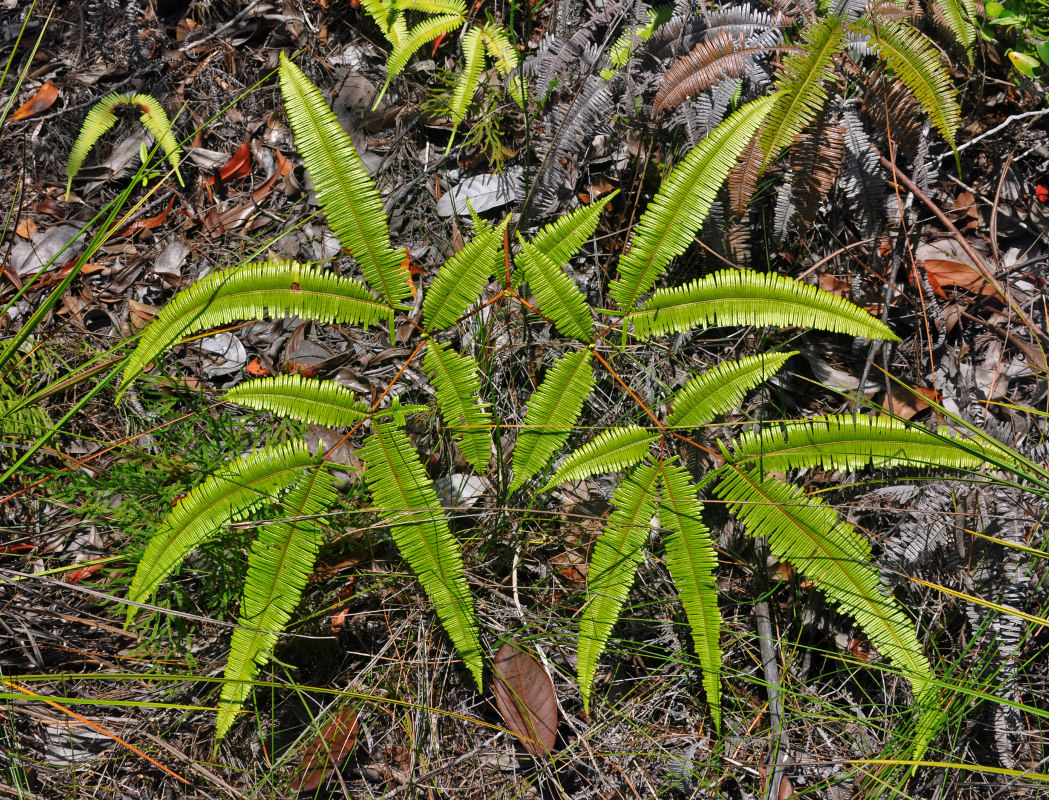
(884,439)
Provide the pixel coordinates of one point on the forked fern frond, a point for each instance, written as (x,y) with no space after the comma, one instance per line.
(456,377)
(752,298)
(692,559)
(345,191)
(911,56)
(612,451)
(101,118)
(670,222)
(800,86)
(552,413)
(562,239)
(557,295)
(462,278)
(720,389)
(617,554)
(225,496)
(849,443)
(803,531)
(279,565)
(469,76)
(252,291)
(408,502)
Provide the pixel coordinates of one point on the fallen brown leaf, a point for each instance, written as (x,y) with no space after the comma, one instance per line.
(524,695)
(40,102)
(327,751)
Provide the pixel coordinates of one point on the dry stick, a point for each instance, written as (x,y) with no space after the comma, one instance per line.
(771,670)
(977,262)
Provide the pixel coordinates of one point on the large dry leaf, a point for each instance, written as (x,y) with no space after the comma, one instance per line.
(326,752)
(524,695)
(946,266)
(39,103)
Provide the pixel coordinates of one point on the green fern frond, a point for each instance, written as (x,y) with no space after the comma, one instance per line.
(803,531)
(253,291)
(506,58)
(425,31)
(226,496)
(469,76)
(457,7)
(556,294)
(456,378)
(623,48)
(752,298)
(306,400)
(692,559)
(407,501)
(849,443)
(671,221)
(911,56)
(279,565)
(720,389)
(561,240)
(382,14)
(960,18)
(462,278)
(345,191)
(101,118)
(552,413)
(612,451)
(800,86)
(617,554)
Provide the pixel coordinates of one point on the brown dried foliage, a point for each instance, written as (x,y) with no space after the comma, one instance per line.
(710,62)
(743,178)
(816,161)
(891,109)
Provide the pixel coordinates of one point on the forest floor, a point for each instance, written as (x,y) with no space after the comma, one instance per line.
(94,709)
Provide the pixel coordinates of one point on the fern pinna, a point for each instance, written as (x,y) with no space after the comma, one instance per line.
(656,496)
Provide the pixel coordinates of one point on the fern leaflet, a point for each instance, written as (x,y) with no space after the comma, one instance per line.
(720,389)
(552,413)
(557,294)
(425,31)
(499,47)
(462,278)
(611,451)
(407,501)
(457,380)
(295,397)
(561,240)
(469,75)
(344,189)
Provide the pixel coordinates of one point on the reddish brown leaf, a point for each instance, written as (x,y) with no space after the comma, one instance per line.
(326,752)
(48,206)
(40,102)
(148,224)
(908,404)
(239,165)
(524,695)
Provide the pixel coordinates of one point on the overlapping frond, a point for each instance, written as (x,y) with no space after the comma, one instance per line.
(612,451)
(617,554)
(561,240)
(304,399)
(752,298)
(552,413)
(959,17)
(916,63)
(847,443)
(156,120)
(456,377)
(418,35)
(556,294)
(670,222)
(800,86)
(345,191)
(469,76)
(461,278)
(692,559)
(836,559)
(227,495)
(408,503)
(720,389)
(279,565)
(253,291)
(507,60)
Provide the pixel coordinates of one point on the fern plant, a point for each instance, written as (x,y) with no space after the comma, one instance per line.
(102,117)
(656,492)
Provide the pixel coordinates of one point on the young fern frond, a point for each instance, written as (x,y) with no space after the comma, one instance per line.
(279,565)
(752,298)
(562,239)
(252,291)
(800,87)
(916,63)
(226,496)
(101,118)
(469,76)
(959,16)
(408,502)
(849,443)
(345,191)
(431,6)
(720,389)
(803,531)
(307,400)
(457,380)
(552,413)
(507,60)
(462,278)
(617,554)
(420,34)
(556,294)
(692,559)
(671,221)
(612,451)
